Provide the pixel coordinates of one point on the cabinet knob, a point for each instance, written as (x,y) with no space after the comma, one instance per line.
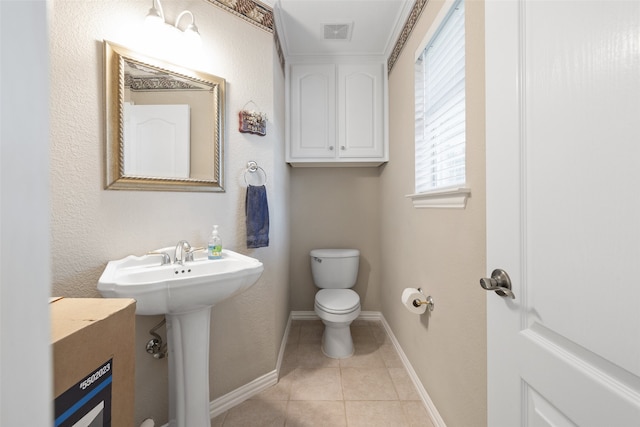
(343,148)
(331,147)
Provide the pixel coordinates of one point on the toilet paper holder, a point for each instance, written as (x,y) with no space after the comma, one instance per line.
(428,302)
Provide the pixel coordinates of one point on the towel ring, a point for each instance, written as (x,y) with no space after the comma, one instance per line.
(252,167)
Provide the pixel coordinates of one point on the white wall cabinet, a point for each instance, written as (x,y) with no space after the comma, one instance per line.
(337,115)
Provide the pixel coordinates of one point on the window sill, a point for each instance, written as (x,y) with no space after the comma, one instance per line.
(452,198)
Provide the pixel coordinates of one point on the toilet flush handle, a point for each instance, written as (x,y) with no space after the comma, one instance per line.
(316,259)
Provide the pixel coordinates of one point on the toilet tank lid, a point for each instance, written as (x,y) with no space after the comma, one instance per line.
(334,253)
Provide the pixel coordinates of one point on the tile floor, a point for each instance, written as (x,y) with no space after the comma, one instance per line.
(369,389)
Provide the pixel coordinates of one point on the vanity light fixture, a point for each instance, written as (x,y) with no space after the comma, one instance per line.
(155,19)
(155,16)
(191,32)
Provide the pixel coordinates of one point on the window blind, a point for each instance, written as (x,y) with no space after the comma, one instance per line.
(440,133)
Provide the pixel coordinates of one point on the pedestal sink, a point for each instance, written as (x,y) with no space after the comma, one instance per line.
(185,294)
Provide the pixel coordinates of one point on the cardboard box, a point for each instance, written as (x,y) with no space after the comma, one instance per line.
(93,361)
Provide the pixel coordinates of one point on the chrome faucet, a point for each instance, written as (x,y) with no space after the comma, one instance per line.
(184,248)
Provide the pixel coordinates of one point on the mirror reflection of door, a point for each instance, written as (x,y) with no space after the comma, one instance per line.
(149,86)
(156,140)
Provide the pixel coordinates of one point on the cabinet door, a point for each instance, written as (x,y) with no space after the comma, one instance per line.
(360,111)
(313,113)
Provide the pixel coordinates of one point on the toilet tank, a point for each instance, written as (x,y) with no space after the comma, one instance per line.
(334,268)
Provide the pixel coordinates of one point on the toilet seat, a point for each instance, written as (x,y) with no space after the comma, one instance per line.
(337,301)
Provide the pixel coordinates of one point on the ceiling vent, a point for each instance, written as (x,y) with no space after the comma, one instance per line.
(337,31)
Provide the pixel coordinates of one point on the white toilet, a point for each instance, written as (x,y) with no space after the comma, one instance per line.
(334,272)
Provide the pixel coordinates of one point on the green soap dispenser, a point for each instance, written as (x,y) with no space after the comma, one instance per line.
(214,249)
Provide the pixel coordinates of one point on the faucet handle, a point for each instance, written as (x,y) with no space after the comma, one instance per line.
(166,259)
(188,255)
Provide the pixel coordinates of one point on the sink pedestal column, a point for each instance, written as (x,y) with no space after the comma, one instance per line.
(188,353)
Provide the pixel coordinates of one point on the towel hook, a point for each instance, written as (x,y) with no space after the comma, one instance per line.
(252,167)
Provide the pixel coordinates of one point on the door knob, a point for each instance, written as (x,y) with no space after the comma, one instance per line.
(499,282)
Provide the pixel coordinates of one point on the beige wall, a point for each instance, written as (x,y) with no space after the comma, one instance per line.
(335,208)
(440,250)
(91,226)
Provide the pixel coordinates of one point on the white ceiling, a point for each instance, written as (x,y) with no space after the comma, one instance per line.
(376,25)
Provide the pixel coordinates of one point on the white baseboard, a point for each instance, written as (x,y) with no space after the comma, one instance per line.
(311,315)
(239,395)
(433,413)
(303,315)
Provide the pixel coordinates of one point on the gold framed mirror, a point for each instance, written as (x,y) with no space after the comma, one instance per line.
(164,124)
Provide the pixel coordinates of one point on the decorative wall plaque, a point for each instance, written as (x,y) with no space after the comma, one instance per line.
(254,122)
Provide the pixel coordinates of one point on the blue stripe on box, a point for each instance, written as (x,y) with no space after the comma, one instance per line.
(80,403)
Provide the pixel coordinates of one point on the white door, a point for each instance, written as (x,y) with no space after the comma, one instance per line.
(563,212)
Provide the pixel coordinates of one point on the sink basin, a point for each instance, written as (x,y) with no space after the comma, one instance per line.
(185,294)
(175,288)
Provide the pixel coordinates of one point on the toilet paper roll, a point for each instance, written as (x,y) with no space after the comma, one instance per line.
(411,294)
(148,423)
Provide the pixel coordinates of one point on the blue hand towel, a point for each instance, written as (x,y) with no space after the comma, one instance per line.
(257,211)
